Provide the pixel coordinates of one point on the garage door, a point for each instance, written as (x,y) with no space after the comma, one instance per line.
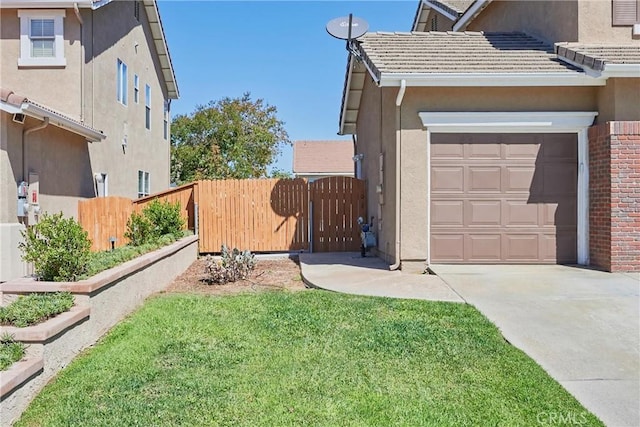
(503,198)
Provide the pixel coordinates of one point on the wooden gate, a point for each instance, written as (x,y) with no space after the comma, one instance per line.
(337,202)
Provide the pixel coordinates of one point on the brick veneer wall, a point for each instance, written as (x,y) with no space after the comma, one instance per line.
(614,195)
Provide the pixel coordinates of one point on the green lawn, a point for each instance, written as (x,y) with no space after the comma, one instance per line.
(306,358)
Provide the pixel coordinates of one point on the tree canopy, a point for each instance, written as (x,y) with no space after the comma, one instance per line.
(229,138)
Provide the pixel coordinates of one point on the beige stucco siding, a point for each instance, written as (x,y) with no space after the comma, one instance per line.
(118,35)
(619,100)
(595,24)
(56,87)
(10,167)
(585,21)
(549,20)
(376,136)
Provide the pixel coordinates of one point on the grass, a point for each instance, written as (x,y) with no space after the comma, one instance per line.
(10,351)
(31,309)
(306,358)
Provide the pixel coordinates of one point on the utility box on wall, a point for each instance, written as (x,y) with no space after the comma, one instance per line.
(33,197)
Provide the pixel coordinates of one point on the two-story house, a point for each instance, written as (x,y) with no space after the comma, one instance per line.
(86,88)
(502,132)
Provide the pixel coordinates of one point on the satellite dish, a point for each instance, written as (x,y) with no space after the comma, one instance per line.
(347,27)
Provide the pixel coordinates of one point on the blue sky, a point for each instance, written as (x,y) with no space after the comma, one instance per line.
(278,51)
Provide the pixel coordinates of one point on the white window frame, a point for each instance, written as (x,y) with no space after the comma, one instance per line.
(122,84)
(25,59)
(136,89)
(145,178)
(147,106)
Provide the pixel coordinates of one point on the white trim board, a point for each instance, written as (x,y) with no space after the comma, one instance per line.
(523,122)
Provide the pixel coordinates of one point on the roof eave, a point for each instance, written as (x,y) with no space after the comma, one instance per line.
(470,14)
(157,33)
(44,4)
(490,79)
(621,70)
(61,121)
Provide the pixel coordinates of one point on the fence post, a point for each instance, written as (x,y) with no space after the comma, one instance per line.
(310,225)
(196,225)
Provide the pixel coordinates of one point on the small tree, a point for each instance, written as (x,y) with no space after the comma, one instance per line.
(229,138)
(58,247)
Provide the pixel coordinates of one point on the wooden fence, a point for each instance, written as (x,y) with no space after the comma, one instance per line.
(262,215)
(106,217)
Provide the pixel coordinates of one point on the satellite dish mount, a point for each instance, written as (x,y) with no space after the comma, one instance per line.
(348,28)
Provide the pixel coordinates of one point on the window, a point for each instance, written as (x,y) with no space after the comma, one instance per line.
(147,106)
(136,88)
(143,183)
(122,82)
(41,38)
(166,119)
(625,12)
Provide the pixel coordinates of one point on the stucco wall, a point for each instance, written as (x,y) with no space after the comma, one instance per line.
(116,34)
(585,21)
(549,20)
(619,100)
(376,135)
(55,87)
(596,25)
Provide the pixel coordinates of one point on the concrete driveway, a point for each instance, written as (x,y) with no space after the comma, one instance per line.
(582,326)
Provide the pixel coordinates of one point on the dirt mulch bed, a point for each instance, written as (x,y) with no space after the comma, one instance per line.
(269,274)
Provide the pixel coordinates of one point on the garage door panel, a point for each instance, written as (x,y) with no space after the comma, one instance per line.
(484,151)
(483,247)
(559,147)
(518,213)
(483,179)
(518,178)
(448,247)
(448,212)
(447,179)
(515,195)
(482,213)
(559,180)
(521,150)
(521,247)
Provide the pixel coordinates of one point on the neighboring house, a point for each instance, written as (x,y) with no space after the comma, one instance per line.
(320,159)
(513,138)
(84,109)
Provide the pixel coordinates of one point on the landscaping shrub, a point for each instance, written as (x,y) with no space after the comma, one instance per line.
(157,219)
(58,247)
(31,309)
(165,218)
(233,265)
(139,230)
(11,351)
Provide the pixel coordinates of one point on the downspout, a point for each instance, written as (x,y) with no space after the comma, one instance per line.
(25,133)
(77,11)
(399,98)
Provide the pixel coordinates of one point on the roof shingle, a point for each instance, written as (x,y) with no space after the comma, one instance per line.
(458,52)
(597,56)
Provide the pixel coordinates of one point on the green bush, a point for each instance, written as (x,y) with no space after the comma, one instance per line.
(165,218)
(233,265)
(35,308)
(58,247)
(139,230)
(11,351)
(157,220)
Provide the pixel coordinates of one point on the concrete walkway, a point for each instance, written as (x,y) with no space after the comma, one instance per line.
(349,273)
(582,326)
